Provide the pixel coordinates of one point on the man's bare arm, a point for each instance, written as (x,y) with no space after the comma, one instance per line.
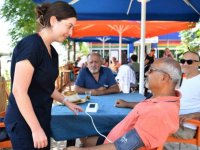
(80,90)
(103,91)
(189,116)
(124,104)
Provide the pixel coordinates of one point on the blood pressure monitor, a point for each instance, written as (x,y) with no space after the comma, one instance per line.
(92,107)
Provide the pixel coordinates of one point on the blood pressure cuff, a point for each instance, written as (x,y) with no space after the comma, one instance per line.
(130,141)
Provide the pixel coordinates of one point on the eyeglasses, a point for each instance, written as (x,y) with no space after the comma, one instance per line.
(158,70)
(189,61)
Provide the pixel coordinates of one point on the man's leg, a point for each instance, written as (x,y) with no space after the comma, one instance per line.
(183,133)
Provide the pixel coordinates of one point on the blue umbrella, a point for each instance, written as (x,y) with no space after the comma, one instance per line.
(105,39)
(109,39)
(168,10)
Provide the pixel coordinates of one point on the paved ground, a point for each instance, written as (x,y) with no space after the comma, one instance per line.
(61,144)
(58,145)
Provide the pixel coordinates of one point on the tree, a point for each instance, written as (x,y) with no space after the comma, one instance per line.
(21,15)
(191,38)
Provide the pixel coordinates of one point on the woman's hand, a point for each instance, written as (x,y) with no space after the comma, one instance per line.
(39,138)
(73,107)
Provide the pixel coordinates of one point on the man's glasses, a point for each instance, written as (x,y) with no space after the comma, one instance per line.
(158,70)
(189,61)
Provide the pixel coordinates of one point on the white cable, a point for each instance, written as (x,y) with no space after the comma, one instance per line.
(97,130)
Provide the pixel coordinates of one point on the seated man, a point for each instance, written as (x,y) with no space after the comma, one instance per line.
(99,80)
(151,121)
(190,100)
(135,66)
(114,65)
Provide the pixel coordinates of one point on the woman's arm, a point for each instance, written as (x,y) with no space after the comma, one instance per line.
(22,79)
(56,95)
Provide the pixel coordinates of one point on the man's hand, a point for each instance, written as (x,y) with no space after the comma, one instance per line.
(120,103)
(99,91)
(101,88)
(96,92)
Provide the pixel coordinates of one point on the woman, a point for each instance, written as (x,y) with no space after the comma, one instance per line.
(34,70)
(168,53)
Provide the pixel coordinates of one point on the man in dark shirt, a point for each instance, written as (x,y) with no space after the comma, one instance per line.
(95,78)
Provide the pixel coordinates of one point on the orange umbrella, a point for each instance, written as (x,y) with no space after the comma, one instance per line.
(127,28)
(124,28)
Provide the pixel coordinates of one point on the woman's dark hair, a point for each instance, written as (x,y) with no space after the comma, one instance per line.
(60,9)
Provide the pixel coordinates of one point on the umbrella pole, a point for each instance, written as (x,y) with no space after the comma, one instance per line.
(142,54)
(103,40)
(103,47)
(120,47)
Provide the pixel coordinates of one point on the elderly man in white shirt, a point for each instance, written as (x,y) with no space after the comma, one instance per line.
(190,100)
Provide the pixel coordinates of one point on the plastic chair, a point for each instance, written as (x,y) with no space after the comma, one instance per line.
(3,95)
(75,72)
(194,141)
(5,143)
(3,104)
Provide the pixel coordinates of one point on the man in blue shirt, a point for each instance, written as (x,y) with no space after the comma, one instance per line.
(95,78)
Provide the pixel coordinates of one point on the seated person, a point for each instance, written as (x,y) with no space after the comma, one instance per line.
(99,80)
(168,53)
(114,65)
(151,121)
(105,62)
(77,61)
(135,66)
(83,62)
(126,78)
(190,101)
(149,60)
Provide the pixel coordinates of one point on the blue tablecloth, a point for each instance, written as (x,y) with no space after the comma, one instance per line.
(65,125)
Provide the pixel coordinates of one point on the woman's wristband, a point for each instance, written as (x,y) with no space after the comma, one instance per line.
(64,100)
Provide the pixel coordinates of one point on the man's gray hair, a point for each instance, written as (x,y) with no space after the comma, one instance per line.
(95,54)
(173,68)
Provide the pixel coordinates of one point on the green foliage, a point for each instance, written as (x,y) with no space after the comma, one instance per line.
(21,15)
(191,39)
(84,49)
